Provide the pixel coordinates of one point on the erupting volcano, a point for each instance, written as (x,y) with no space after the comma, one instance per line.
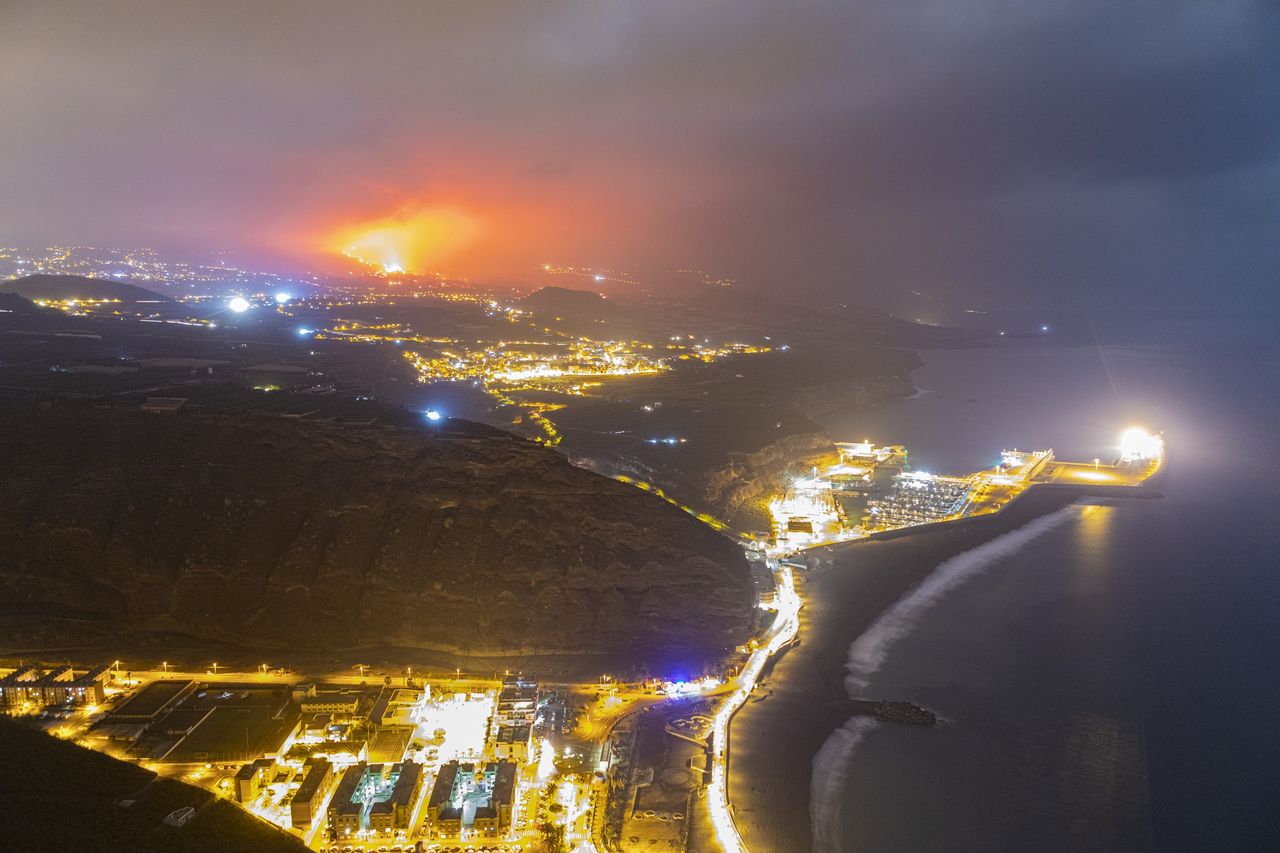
(409,242)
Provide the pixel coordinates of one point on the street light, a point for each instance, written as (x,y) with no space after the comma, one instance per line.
(164,666)
(215,669)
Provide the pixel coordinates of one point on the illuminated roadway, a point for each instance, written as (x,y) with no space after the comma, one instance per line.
(785,627)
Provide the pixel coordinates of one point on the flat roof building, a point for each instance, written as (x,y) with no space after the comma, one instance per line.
(396,812)
(59,685)
(251,777)
(514,743)
(464,797)
(763,582)
(16,687)
(344,812)
(502,794)
(227,735)
(318,780)
(151,701)
(517,702)
(339,700)
(441,814)
(377,797)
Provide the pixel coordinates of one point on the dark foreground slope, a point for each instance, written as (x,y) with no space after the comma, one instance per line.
(276,533)
(59,796)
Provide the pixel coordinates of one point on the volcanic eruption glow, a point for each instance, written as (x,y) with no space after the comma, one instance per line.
(407,243)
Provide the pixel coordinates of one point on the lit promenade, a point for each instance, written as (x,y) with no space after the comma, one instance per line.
(784,630)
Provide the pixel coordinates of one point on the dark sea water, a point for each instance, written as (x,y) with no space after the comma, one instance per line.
(1112,680)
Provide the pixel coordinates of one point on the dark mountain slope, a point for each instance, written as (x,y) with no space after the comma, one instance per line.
(276,533)
(59,796)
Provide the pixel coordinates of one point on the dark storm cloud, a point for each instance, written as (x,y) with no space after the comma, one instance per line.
(1036,152)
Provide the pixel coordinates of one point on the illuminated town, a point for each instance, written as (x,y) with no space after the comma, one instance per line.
(368,760)
(371,759)
(623,427)
(523,359)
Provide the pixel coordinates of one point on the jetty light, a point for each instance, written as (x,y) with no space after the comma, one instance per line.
(1136,443)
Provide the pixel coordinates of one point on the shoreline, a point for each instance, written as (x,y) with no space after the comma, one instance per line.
(801,698)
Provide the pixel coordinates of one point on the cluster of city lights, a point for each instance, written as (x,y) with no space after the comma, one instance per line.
(691,688)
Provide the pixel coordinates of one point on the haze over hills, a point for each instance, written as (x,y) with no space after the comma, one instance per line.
(63,287)
(266,532)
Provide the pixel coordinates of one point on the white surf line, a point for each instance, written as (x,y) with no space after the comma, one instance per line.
(868,652)
(830,768)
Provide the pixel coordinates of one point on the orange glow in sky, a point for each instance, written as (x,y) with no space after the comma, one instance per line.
(415,242)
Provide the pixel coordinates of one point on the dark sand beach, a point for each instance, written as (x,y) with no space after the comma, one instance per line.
(773,739)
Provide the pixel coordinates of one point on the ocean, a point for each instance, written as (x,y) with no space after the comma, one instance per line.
(1107,675)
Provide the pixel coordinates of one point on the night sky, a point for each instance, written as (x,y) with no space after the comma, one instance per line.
(1058,154)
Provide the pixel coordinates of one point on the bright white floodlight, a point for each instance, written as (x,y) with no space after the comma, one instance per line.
(1137,443)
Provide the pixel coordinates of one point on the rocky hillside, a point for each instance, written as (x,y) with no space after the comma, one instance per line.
(743,427)
(276,533)
(577,304)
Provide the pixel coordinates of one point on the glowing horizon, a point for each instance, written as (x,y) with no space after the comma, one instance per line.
(413,242)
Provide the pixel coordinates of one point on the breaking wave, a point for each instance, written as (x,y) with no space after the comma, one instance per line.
(830,767)
(868,652)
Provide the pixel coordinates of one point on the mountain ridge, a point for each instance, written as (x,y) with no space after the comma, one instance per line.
(60,287)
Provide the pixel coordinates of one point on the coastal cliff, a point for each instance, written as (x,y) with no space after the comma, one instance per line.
(267,532)
(723,437)
(741,488)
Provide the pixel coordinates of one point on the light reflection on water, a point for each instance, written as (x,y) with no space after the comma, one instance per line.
(1110,688)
